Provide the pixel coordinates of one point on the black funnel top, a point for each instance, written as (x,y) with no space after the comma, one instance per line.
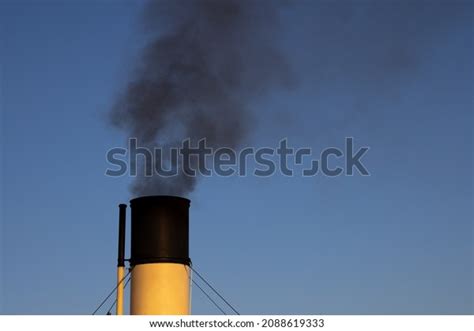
(160,230)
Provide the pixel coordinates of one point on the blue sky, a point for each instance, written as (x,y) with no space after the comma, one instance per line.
(397,78)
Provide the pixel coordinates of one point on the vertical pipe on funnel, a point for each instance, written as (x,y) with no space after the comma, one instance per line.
(121,258)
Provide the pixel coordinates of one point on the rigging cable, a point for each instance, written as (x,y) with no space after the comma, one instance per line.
(215,291)
(207,295)
(204,292)
(112,292)
(115,301)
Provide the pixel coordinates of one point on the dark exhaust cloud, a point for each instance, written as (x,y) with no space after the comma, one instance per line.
(203,63)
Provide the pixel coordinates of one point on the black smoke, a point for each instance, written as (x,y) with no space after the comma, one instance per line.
(203,63)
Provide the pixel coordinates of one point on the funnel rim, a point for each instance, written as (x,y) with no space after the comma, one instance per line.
(147,198)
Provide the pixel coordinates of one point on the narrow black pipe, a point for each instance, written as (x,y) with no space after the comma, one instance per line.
(121,236)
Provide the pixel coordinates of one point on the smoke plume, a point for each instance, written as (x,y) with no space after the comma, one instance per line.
(203,63)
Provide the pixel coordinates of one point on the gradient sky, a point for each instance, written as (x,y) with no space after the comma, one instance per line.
(396,77)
